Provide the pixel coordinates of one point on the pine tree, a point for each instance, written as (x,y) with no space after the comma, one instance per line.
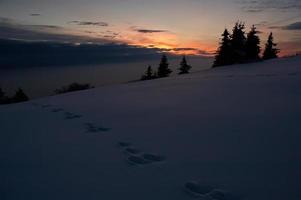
(20,96)
(224,52)
(252,45)
(238,41)
(148,74)
(163,70)
(184,69)
(270,51)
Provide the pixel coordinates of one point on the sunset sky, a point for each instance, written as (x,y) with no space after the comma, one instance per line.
(179,26)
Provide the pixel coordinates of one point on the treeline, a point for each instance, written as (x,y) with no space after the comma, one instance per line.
(239,47)
(164,70)
(19,96)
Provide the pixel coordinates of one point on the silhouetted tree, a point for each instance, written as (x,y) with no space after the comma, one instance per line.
(184,67)
(2,94)
(3,98)
(252,45)
(155,74)
(238,41)
(20,96)
(224,52)
(270,51)
(163,70)
(149,74)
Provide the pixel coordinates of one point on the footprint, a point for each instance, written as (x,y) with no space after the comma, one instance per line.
(136,156)
(55,110)
(198,190)
(265,75)
(292,74)
(137,160)
(132,151)
(207,192)
(124,144)
(89,124)
(217,194)
(90,127)
(102,129)
(46,106)
(73,117)
(69,115)
(153,158)
(93,129)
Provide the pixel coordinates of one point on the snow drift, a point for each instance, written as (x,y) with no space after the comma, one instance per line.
(221,134)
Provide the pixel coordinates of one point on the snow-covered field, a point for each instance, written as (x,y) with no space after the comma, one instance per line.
(223,134)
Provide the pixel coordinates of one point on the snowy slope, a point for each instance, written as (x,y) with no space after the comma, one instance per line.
(223,134)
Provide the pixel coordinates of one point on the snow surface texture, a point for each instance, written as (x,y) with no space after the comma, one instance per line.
(222,134)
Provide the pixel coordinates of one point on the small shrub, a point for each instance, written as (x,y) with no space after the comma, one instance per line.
(149,74)
(73,87)
(20,96)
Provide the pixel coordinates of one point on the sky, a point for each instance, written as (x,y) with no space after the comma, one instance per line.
(175,26)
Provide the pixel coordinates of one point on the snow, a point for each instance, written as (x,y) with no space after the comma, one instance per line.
(223,134)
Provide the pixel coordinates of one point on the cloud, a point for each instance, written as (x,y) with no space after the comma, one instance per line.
(206,53)
(88,23)
(262,23)
(109,34)
(150,31)
(290,47)
(275,27)
(293,26)
(24,45)
(141,30)
(253,10)
(45,27)
(189,51)
(184,49)
(255,6)
(35,14)
(16,53)
(9,29)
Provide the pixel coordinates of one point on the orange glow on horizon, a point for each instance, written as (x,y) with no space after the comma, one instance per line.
(170,43)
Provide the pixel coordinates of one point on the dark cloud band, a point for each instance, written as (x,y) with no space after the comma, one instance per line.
(88,23)
(35,14)
(293,26)
(142,30)
(255,6)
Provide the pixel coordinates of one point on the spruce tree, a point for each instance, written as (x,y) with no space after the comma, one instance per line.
(155,74)
(252,45)
(270,51)
(148,74)
(224,52)
(184,67)
(20,96)
(238,41)
(3,98)
(163,70)
(2,94)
